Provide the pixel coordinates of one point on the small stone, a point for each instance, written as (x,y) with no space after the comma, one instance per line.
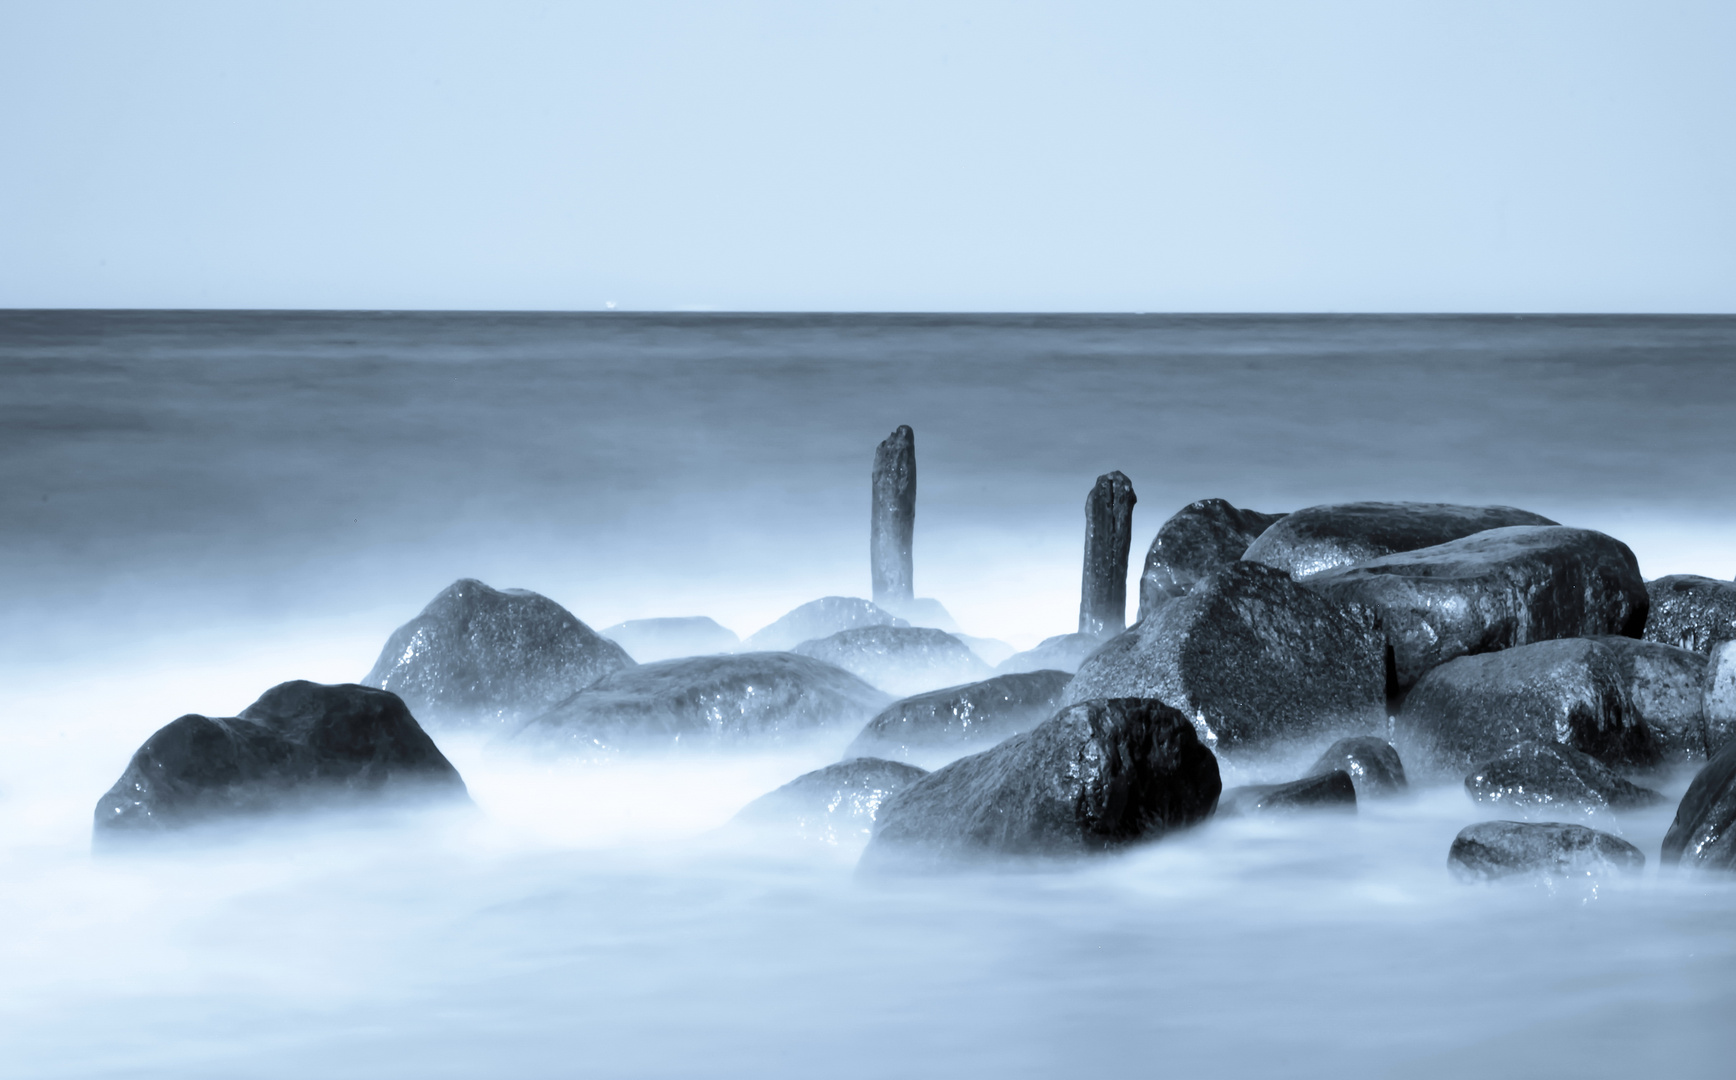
(1536,775)
(835,805)
(1491,850)
(1372,763)
(1324,791)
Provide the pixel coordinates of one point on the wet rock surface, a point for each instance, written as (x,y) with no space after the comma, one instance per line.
(477,654)
(1700,836)
(961,719)
(1322,538)
(1097,776)
(301,745)
(1063,652)
(834,805)
(1253,658)
(1718,697)
(1326,791)
(892,522)
(1469,710)
(817,619)
(899,659)
(1373,765)
(706,700)
(1108,538)
(1495,590)
(1664,689)
(1197,540)
(1491,850)
(1547,775)
(1691,612)
(650,640)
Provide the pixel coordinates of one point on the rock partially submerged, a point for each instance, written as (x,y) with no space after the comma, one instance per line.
(1322,538)
(707,701)
(1372,764)
(899,659)
(1063,652)
(1197,540)
(1490,850)
(301,745)
(820,618)
(1097,776)
(1253,658)
(1691,612)
(943,724)
(1494,590)
(835,805)
(1325,791)
(1700,836)
(650,640)
(477,654)
(1547,775)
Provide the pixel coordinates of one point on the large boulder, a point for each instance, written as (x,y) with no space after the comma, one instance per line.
(1664,688)
(1253,658)
(1550,775)
(1372,764)
(1700,836)
(1198,539)
(650,640)
(301,745)
(1325,791)
(1718,697)
(1490,850)
(1494,590)
(477,654)
(1691,612)
(1475,707)
(940,725)
(820,618)
(1096,776)
(899,659)
(835,805)
(1322,538)
(707,700)
(1063,652)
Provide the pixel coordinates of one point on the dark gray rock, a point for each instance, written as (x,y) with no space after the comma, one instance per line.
(1700,836)
(1108,537)
(942,724)
(1198,539)
(1475,707)
(477,654)
(834,805)
(1691,612)
(892,523)
(1322,538)
(1372,763)
(899,659)
(1063,652)
(1325,791)
(301,745)
(1096,776)
(817,619)
(1253,658)
(1491,850)
(707,701)
(1718,697)
(650,640)
(1664,689)
(1534,775)
(1494,590)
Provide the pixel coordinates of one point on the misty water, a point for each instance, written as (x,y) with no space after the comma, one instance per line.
(198,506)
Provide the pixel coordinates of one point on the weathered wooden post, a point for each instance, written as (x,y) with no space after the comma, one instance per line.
(1108,535)
(894,518)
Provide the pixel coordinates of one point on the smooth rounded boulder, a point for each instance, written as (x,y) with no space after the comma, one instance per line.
(899,659)
(817,619)
(1536,775)
(1253,658)
(1700,835)
(1495,590)
(936,727)
(1664,688)
(1718,697)
(835,805)
(1198,539)
(1324,791)
(650,640)
(1063,652)
(1491,850)
(1371,763)
(482,655)
(1095,777)
(1691,612)
(302,745)
(1322,538)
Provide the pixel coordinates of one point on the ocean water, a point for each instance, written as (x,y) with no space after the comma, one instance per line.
(195,506)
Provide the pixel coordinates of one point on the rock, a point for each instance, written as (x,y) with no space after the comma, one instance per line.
(942,724)
(1475,707)
(1718,697)
(1325,791)
(899,659)
(301,745)
(922,611)
(1095,777)
(1700,835)
(707,700)
(834,805)
(892,523)
(1663,687)
(1063,652)
(1108,536)
(477,654)
(817,619)
(991,651)
(650,640)
(1198,539)
(1691,612)
(1322,538)
(1494,590)
(1547,774)
(1373,765)
(1490,850)
(1253,658)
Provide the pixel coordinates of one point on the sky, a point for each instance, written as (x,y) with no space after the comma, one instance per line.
(994,156)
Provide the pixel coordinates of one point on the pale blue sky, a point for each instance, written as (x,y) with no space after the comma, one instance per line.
(1460,156)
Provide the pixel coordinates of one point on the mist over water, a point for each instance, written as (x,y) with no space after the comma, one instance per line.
(198,506)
